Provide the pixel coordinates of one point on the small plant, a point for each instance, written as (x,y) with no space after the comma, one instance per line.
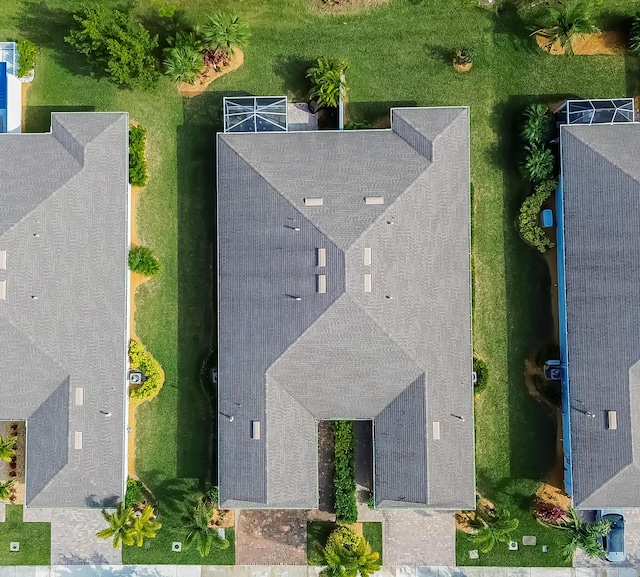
(549,514)
(348,554)
(145,525)
(528,223)
(492,528)
(120,526)
(327,81)
(142,261)
(137,161)
(538,164)
(6,489)
(140,359)
(216,58)
(163,8)
(27,53)
(344,479)
(134,494)
(186,39)
(183,64)
(482,374)
(200,532)
(226,31)
(358,125)
(634,40)
(7,448)
(537,124)
(566,20)
(463,57)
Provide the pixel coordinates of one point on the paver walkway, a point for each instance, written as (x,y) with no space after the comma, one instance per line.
(419,538)
(73,536)
(271,537)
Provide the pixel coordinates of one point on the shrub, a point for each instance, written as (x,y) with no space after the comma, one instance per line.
(142,261)
(116,44)
(634,40)
(226,31)
(537,124)
(482,374)
(140,359)
(137,162)
(134,494)
(528,223)
(183,64)
(550,514)
(463,56)
(327,81)
(344,479)
(566,20)
(348,554)
(27,53)
(358,125)
(538,164)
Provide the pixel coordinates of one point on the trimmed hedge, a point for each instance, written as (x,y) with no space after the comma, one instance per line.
(134,494)
(482,375)
(344,475)
(27,52)
(142,261)
(528,223)
(140,359)
(137,162)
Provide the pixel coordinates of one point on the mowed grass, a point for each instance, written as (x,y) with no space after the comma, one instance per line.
(399,54)
(34,539)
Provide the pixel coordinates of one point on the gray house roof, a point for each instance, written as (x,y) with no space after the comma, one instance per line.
(601,199)
(400,355)
(64,235)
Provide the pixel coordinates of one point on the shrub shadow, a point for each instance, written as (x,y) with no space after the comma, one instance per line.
(378,114)
(293,71)
(511,29)
(38,118)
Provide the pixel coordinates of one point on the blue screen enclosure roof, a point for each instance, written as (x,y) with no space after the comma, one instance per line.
(255,114)
(602,111)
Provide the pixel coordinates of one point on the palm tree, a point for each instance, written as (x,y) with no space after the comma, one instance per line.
(120,526)
(5,489)
(585,536)
(225,31)
(566,20)
(348,554)
(492,529)
(145,525)
(327,81)
(7,448)
(183,64)
(201,534)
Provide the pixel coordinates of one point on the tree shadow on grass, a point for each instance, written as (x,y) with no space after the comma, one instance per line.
(293,71)
(46,27)
(173,496)
(38,118)
(511,30)
(377,114)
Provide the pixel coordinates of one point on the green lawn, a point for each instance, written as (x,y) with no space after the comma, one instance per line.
(411,66)
(318,532)
(34,539)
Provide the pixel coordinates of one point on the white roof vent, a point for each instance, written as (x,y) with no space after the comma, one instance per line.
(321,283)
(314,201)
(3,260)
(322,257)
(436,430)
(255,430)
(79,396)
(612,420)
(366,255)
(3,290)
(367,283)
(78,439)
(374,199)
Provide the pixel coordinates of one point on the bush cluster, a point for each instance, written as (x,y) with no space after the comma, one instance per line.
(27,52)
(140,359)
(134,494)
(482,374)
(137,161)
(142,261)
(528,224)
(634,41)
(344,476)
(538,162)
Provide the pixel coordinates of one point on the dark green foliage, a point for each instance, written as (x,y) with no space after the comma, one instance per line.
(327,81)
(27,53)
(482,374)
(344,479)
(528,220)
(200,535)
(493,528)
(358,125)
(137,161)
(585,536)
(634,40)
(116,44)
(134,494)
(538,163)
(142,261)
(183,64)
(565,20)
(225,31)
(537,124)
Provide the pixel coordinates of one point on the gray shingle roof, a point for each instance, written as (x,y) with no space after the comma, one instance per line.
(64,226)
(601,188)
(400,354)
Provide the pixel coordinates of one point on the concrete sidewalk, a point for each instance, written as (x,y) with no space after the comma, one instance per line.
(301,571)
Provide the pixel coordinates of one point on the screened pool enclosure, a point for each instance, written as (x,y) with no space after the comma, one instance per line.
(596,111)
(255,114)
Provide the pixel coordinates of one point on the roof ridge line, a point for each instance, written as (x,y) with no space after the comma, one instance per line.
(263,177)
(284,389)
(437,136)
(601,155)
